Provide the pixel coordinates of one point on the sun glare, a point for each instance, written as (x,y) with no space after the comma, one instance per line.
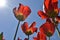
(2,3)
(43,8)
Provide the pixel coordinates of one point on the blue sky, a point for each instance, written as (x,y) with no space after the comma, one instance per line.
(8,22)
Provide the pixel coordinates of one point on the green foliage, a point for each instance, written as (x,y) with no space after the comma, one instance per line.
(1,35)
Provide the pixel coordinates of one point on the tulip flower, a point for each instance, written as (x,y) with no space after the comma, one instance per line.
(51,12)
(47,28)
(40,36)
(29,30)
(26,39)
(50,8)
(18,38)
(21,13)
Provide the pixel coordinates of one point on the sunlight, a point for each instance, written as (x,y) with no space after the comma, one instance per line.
(2,3)
(43,8)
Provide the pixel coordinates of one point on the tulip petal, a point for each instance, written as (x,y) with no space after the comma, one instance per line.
(53,1)
(47,28)
(33,25)
(15,11)
(51,4)
(33,28)
(55,5)
(35,38)
(26,11)
(21,8)
(40,36)
(24,27)
(18,38)
(42,15)
(26,39)
(46,3)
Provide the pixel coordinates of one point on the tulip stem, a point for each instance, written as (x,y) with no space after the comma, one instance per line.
(16,31)
(28,37)
(56,24)
(58,30)
(49,38)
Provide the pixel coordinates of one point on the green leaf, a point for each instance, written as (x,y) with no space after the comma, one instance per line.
(1,35)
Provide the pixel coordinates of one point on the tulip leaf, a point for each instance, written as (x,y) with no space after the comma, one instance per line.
(1,35)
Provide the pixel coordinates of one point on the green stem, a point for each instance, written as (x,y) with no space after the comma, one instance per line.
(56,24)
(49,38)
(28,37)
(16,31)
(58,30)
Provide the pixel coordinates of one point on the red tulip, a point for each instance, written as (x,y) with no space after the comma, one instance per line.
(22,12)
(42,14)
(35,38)
(50,9)
(40,36)
(29,30)
(26,39)
(18,38)
(47,28)
(51,4)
